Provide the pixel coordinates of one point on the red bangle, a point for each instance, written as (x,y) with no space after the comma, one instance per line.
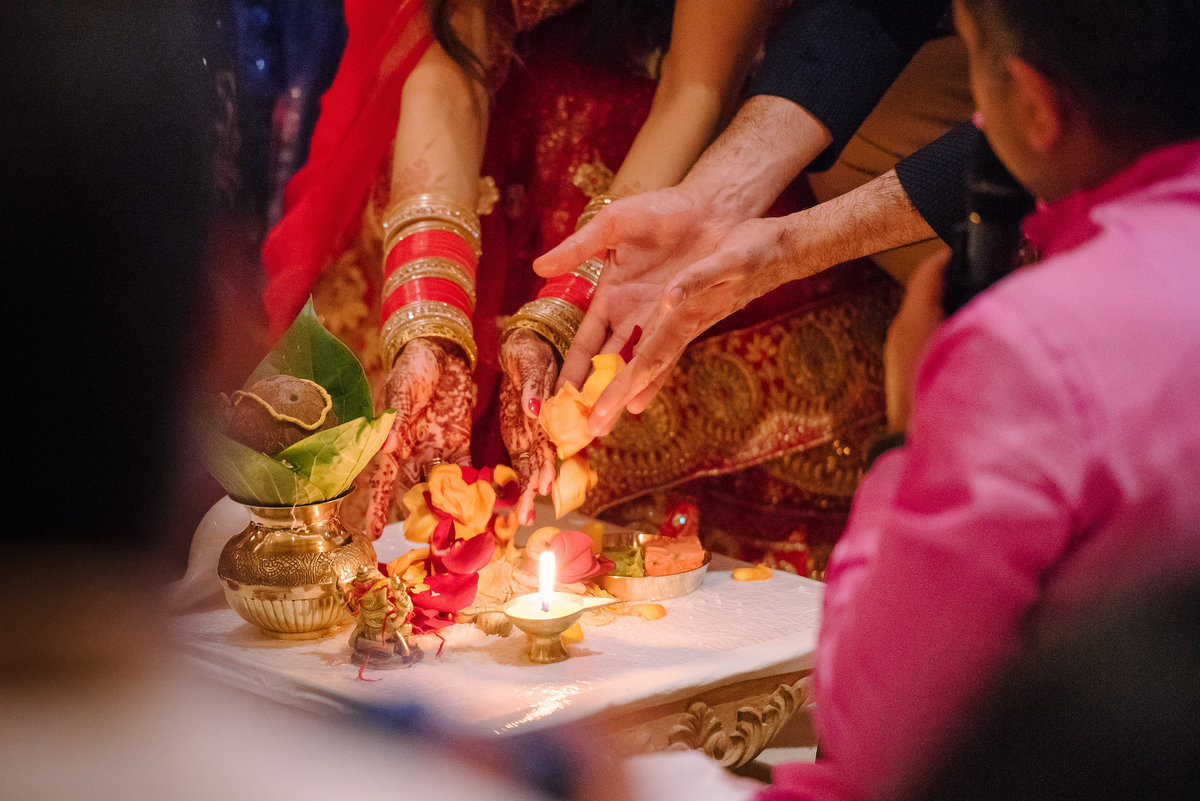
(438,244)
(573,288)
(422,289)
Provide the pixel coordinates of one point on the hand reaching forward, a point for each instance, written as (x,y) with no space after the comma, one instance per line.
(530,370)
(430,389)
(648,238)
(745,261)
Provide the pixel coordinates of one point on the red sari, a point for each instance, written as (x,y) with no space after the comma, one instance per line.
(764,419)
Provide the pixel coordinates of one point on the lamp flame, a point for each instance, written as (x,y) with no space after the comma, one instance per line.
(546,576)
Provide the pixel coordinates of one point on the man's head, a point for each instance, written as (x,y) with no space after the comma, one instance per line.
(1071,90)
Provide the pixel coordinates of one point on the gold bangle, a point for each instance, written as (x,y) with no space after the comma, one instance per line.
(554,319)
(590,270)
(393,235)
(425,208)
(592,208)
(430,267)
(429,318)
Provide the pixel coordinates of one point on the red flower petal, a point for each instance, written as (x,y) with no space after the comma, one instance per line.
(443,535)
(448,592)
(507,496)
(438,513)
(469,555)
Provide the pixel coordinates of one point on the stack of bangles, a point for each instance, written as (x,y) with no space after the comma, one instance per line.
(558,309)
(431,252)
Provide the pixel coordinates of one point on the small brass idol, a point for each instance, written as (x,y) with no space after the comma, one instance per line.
(380,606)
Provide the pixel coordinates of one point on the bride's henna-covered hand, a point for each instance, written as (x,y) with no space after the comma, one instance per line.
(430,389)
(530,370)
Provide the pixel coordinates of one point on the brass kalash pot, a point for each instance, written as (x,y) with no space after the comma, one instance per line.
(281,573)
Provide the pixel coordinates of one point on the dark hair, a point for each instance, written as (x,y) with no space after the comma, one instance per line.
(1107,712)
(1132,64)
(443,31)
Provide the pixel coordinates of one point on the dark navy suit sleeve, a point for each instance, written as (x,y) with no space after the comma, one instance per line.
(836,58)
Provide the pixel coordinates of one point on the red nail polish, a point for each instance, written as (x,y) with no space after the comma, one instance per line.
(627,349)
(535,406)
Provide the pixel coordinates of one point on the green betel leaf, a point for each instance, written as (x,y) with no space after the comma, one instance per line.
(254,478)
(332,458)
(308,350)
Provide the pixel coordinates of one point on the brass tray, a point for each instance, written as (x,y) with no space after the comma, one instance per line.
(649,588)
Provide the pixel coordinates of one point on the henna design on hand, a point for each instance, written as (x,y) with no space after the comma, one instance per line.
(530,371)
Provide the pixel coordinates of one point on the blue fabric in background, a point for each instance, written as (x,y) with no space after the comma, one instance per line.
(270,61)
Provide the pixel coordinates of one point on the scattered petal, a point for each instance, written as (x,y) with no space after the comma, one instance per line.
(573,634)
(649,611)
(757,573)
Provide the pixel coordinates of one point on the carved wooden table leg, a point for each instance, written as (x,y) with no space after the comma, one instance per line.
(731,724)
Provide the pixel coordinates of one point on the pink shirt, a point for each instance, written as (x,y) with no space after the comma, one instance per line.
(1053,459)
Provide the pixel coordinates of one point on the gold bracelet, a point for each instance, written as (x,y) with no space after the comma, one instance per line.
(592,208)
(590,270)
(393,235)
(554,319)
(428,208)
(430,267)
(429,318)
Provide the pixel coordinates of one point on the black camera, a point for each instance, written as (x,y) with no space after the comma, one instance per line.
(988,243)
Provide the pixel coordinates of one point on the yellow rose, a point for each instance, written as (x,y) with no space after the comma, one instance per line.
(410,566)
(420,523)
(564,418)
(505,526)
(469,504)
(570,488)
(604,369)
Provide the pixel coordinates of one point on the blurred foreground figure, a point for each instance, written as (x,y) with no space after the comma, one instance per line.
(102,195)
(1111,711)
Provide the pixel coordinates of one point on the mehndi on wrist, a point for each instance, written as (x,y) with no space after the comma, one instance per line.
(431,252)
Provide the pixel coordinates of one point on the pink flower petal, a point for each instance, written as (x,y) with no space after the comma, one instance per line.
(574,558)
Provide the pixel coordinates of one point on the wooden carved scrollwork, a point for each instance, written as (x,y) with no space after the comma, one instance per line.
(704,728)
(732,727)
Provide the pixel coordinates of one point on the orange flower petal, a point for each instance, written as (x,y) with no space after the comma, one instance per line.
(573,634)
(757,573)
(400,565)
(649,611)
(469,504)
(605,367)
(571,485)
(419,526)
(564,418)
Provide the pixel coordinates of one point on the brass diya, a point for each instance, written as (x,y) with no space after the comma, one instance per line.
(281,573)
(545,628)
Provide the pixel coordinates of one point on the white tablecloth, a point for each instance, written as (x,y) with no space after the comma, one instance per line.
(725,631)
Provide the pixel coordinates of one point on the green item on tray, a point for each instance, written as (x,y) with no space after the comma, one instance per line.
(629,562)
